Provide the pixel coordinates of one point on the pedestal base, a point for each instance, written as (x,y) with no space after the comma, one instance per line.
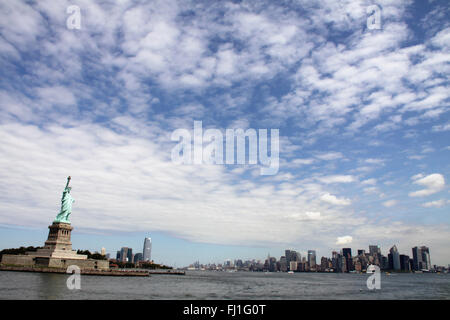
(58,244)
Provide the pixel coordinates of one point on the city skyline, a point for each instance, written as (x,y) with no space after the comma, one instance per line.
(340,262)
(359,113)
(182,253)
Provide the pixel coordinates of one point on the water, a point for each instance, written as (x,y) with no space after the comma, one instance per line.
(224,285)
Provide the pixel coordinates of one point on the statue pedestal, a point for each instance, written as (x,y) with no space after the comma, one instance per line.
(57,253)
(58,244)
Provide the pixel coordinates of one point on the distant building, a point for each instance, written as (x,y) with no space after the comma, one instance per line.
(347,253)
(363,259)
(126,254)
(118,255)
(384,262)
(417,258)
(147,251)
(374,250)
(103,252)
(138,257)
(404,262)
(421,258)
(291,255)
(273,267)
(426,258)
(334,261)
(323,263)
(283,264)
(357,265)
(293,265)
(228,264)
(342,264)
(411,263)
(301,266)
(312,259)
(394,258)
(287,254)
(375,253)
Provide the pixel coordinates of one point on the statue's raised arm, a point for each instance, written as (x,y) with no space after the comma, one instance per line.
(66,204)
(68,181)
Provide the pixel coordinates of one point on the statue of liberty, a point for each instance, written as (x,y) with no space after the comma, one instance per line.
(66,205)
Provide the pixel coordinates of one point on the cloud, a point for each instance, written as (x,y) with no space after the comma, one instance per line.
(313,215)
(435,204)
(329,198)
(371,190)
(344,240)
(57,95)
(330,156)
(442,127)
(390,203)
(300,162)
(374,161)
(371,181)
(433,183)
(337,179)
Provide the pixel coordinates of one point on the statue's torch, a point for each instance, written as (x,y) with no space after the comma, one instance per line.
(68,181)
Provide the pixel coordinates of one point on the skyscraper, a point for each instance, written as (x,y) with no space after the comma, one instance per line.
(426,258)
(291,255)
(395,258)
(147,252)
(130,255)
(334,261)
(421,258)
(126,254)
(293,265)
(287,254)
(323,263)
(272,264)
(404,262)
(347,253)
(283,264)
(312,258)
(137,257)
(342,264)
(374,250)
(384,262)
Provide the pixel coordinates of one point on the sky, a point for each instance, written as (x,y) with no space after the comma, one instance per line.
(362,114)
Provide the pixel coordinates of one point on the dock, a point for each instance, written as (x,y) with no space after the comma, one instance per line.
(169,271)
(92,272)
